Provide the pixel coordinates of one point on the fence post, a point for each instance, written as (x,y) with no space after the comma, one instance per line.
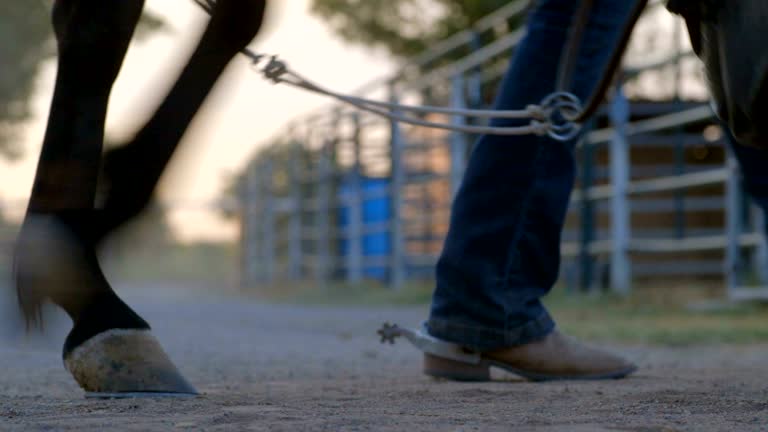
(268,223)
(680,150)
(295,229)
(586,219)
(620,176)
(249,225)
(397,147)
(760,252)
(354,201)
(324,208)
(733,224)
(458,139)
(475,79)
(323,225)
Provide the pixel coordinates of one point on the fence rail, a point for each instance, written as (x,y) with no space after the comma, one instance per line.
(345,195)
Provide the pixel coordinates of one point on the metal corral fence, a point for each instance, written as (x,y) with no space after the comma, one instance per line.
(344,195)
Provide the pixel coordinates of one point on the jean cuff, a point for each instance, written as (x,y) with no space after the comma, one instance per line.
(483,339)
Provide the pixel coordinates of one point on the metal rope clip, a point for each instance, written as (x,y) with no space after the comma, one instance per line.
(275,69)
(561,108)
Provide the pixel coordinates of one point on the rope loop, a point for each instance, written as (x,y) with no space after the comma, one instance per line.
(560,110)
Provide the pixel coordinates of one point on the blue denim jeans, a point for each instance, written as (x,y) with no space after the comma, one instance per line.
(502,251)
(753,164)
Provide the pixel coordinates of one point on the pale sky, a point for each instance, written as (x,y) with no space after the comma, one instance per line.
(242,114)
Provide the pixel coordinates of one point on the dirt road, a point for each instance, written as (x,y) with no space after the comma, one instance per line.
(293,368)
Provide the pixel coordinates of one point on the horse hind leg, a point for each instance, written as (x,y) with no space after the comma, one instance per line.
(110,348)
(234,23)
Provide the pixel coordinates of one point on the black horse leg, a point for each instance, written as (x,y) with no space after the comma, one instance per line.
(233,25)
(55,259)
(62,218)
(93,37)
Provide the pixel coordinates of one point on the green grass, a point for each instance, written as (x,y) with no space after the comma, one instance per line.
(368,293)
(202,262)
(650,315)
(646,317)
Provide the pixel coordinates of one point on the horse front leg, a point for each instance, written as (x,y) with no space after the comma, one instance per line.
(55,258)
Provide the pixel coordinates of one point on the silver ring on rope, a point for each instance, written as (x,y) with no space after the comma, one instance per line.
(561,108)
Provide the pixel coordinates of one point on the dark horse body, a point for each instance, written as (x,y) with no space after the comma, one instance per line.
(730,38)
(110,348)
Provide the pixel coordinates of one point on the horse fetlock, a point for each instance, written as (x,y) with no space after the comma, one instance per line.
(46,263)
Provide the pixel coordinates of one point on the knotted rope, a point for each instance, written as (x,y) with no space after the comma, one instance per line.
(550,117)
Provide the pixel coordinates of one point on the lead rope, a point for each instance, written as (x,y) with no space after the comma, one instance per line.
(559,115)
(567,68)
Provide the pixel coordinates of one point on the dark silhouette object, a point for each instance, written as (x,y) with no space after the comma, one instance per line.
(729,37)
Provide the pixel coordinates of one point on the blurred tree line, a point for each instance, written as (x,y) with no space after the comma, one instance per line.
(26,42)
(403,27)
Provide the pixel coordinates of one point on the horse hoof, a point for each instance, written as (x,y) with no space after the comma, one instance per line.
(122,363)
(137,395)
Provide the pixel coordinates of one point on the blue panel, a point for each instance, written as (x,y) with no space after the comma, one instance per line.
(375,210)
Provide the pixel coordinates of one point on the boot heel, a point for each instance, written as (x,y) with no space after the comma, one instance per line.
(439,367)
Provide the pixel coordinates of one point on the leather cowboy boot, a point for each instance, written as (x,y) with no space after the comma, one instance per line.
(556,357)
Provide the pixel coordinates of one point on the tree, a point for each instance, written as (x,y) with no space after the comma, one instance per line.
(26,41)
(403,27)
(24,44)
